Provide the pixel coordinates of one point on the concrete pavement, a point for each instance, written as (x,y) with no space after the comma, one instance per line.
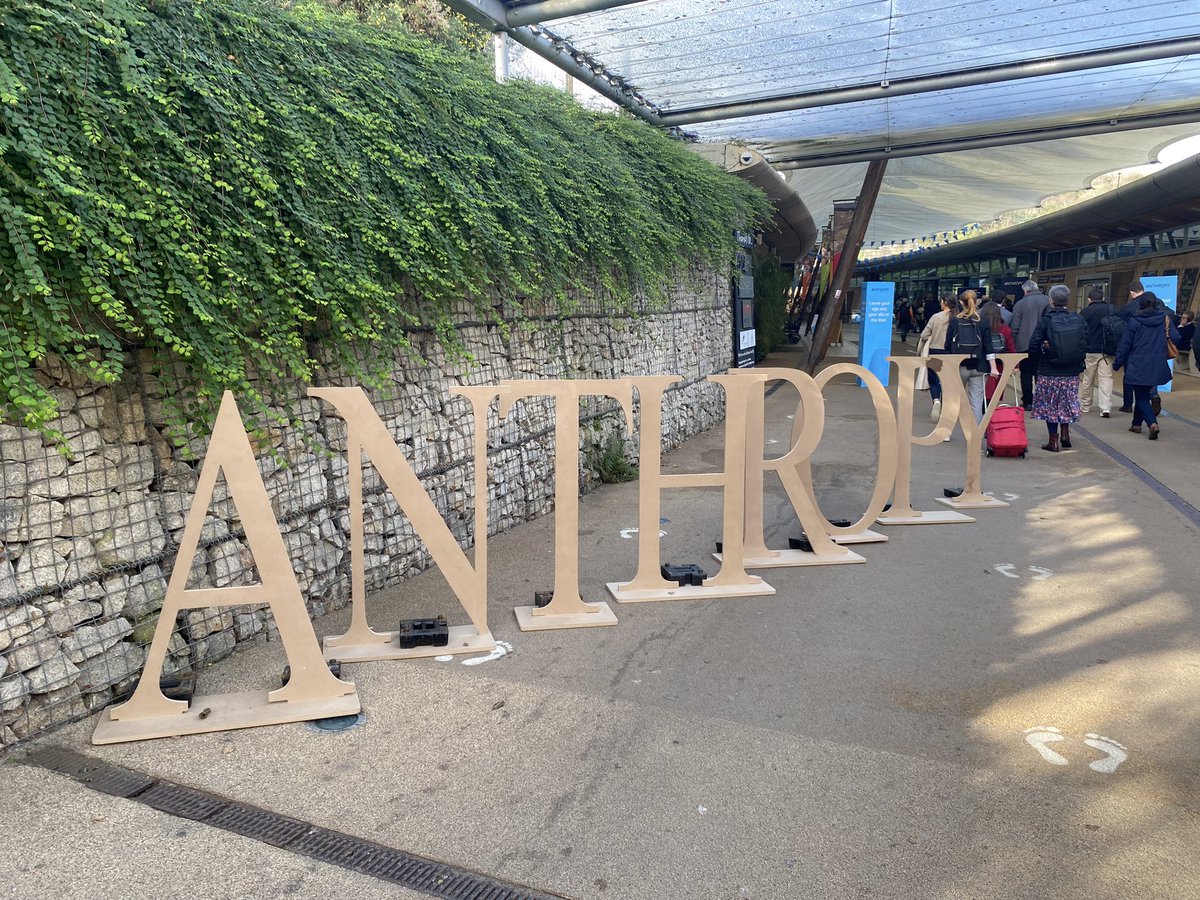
(1003,709)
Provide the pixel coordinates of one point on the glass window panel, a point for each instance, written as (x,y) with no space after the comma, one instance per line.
(1126,248)
(1088,256)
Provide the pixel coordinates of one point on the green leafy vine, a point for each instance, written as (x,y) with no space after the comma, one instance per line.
(236,183)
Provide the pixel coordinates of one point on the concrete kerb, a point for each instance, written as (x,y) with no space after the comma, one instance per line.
(862,731)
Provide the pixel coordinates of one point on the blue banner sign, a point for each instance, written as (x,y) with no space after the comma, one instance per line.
(1166,288)
(875,337)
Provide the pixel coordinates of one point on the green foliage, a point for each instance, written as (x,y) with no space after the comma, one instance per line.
(233,183)
(428,18)
(612,465)
(771,283)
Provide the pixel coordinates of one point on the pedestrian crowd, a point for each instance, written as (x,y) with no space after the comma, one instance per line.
(1070,356)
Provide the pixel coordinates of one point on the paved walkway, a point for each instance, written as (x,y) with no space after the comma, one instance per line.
(1005,710)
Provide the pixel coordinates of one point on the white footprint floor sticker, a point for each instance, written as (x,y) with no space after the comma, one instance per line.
(1039,736)
(1115,753)
(503,648)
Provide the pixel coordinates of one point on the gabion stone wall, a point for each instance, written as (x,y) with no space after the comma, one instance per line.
(88,537)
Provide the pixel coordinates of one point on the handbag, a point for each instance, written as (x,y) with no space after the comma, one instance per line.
(1172,350)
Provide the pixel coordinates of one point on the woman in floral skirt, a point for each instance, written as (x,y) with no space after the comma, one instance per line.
(1056,394)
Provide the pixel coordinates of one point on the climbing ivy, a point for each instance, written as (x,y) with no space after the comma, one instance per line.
(771,284)
(239,185)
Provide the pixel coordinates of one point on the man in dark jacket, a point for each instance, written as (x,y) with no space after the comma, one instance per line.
(932,306)
(1026,316)
(1136,292)
(1187,331)
(1143,356)
(1097,363)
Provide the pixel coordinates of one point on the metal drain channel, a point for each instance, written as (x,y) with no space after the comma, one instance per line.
(356,854)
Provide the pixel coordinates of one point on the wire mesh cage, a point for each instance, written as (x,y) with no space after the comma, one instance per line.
(90,530)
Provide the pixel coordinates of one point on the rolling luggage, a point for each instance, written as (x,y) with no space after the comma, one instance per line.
(990,385)
(1006,432)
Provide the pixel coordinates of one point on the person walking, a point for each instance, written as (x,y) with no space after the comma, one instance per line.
(1097,367)
(1136,292)
(1143,356)
(934,337)
(933,306)
(1187,334)
(904,321)
(1002,342)
(968,333)
(1026,316)
(1058,347)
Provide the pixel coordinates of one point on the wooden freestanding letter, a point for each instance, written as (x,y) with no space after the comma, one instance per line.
(312,692)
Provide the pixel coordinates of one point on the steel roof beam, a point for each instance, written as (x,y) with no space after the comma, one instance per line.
(922,84)
(996,139)
(548,10)
(492,15)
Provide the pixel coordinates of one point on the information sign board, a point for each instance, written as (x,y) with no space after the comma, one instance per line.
(875,338)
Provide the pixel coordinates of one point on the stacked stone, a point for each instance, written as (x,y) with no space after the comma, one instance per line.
(89,532)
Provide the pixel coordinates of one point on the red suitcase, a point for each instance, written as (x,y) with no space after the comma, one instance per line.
(989,386)
(1006,432)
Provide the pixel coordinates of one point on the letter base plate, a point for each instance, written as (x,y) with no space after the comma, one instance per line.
(927,517)
(225,712)
(976,503)
(624,594)
(462,639)
(781,559)
(527,621)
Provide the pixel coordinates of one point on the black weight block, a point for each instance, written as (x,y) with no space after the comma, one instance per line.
(181,686)
(801,543)
(334,665)
(684,575)
(424,633)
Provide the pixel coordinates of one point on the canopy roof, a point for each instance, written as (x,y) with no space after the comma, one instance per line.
(1069,89)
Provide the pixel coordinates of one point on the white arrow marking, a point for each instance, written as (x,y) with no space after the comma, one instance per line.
(628,533)
(1006,569)
(1042,574)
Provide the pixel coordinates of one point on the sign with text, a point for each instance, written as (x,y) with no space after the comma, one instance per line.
(875,337)
(1166,288)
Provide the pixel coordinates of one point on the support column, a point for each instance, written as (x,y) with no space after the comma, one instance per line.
(831,305)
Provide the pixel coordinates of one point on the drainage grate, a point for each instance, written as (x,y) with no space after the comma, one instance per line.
(95,773)
(65,762)
(356,854)
(252,822)
(117,781)
(384,863)
(185,802)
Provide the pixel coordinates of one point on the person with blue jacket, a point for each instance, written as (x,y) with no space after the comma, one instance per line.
(1127,312)
(1143,356)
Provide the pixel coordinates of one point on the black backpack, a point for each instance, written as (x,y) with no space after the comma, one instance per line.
(1066,334)
(1112,330)
(966,337)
